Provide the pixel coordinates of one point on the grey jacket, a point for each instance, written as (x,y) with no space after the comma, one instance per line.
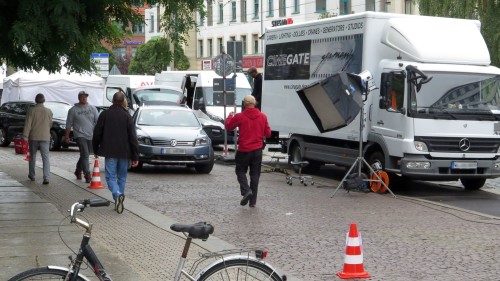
(38,123)
(82,118)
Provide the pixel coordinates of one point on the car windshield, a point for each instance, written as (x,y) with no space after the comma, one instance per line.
(59,110)
(167,117)
(157,94)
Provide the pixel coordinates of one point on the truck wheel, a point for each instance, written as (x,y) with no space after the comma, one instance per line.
(472,184)
(394,180)
(296,156)
(4,140)
(55,142)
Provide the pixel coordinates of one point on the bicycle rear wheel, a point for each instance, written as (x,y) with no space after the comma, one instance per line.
(239,269)
(42,273)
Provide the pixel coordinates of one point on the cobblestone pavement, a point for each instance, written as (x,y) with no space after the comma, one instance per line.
(304,229)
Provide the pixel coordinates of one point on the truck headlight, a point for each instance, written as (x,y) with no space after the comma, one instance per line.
(421,146)
(201,141)
(418,165)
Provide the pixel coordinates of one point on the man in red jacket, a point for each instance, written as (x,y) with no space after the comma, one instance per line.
(253,128)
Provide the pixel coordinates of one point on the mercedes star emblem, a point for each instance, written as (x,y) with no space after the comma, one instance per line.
(464,144)
(173,143)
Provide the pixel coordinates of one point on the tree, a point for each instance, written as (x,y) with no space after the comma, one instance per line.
(487,11)
(155,56)
(39,34)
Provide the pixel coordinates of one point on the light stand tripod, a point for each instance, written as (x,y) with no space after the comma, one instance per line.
(360,160)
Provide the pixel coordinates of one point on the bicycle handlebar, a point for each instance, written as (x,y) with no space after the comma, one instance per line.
(81,205)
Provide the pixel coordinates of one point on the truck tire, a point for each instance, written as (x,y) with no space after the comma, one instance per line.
(296,156)
(472,184)
(394,180)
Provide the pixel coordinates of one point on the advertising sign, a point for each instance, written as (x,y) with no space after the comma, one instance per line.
(101,61)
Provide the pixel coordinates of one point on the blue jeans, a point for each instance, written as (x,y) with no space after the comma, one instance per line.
(44,151)
(116,175)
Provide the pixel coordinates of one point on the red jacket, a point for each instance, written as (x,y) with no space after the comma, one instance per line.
(253,128)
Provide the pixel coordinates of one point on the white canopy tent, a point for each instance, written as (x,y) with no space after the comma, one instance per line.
(56,87)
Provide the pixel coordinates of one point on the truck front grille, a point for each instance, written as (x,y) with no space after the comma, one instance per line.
(476,145)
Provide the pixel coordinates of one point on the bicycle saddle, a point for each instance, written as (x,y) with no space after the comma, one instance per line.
(200,230)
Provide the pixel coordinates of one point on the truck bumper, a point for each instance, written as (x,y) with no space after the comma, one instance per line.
(444,169)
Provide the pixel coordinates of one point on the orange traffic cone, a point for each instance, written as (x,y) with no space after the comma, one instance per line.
(27,155)
(353,262)
(96,176)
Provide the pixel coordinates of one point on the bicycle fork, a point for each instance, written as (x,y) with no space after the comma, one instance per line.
(182,260)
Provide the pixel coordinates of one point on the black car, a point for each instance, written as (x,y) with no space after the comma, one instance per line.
(13,115)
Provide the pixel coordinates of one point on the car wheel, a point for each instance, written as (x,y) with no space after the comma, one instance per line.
(4,140)
(55,142)
(206,168)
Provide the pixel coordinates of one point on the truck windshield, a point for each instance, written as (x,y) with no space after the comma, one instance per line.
(157,94)
(458,96)
(217,98)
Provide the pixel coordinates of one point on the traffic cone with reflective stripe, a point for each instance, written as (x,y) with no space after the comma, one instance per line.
(96,176)
(353,262)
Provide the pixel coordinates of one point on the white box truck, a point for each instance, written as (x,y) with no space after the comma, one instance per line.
(125,83)
(446,129)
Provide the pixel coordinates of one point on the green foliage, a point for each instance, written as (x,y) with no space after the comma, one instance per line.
(39,34)
(155,56)
(487,11)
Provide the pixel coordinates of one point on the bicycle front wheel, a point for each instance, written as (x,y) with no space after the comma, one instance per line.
(239,269)
(42,273)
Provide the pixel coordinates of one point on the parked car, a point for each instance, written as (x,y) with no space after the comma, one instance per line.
(172,135)
(13,115)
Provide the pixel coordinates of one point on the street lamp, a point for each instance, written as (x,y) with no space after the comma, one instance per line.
(262,27)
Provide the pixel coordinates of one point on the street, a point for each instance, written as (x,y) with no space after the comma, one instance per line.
(304,229)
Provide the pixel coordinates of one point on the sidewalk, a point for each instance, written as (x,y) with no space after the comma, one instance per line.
(135,245)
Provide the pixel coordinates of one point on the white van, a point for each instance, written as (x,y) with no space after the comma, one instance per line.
(209,105)
(175,78)
(125,83)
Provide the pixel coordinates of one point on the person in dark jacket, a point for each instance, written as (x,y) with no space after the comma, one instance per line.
(253,128)
(257,85)
(115,139)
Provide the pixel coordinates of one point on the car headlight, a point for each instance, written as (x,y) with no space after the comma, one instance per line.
(144,140)
(201,141)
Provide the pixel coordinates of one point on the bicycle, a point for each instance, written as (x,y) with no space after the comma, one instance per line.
(230,264)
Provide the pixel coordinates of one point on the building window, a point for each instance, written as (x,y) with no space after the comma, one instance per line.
(408,7)
(370,5)
(387,6)
(134,51)
(232,38)
(221,13)
(320,5)
(244,43)
(271,8)
(343,7)
(210,48)
(120,52)
(233,11)
(202,20)
(151,23)
(296,5)
(243,8)
(200,48)
(221,45)
(210,14)
(138,28)
(255,39)
(256,9)
(282,8)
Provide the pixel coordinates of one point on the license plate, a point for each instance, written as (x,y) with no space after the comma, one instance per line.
(172,151)
(463,165)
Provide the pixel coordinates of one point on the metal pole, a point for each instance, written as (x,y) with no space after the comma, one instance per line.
(262,26)
(224,94)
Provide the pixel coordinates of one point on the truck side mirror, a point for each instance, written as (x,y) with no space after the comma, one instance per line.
(382,103)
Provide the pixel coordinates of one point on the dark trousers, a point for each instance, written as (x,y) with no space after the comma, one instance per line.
(85,147)
(252,160)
